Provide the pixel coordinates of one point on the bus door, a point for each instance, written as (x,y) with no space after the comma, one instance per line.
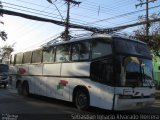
(102,74)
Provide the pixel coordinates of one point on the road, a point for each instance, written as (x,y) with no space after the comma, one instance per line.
(39,108)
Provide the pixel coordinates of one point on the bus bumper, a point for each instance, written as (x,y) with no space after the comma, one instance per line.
(128,104)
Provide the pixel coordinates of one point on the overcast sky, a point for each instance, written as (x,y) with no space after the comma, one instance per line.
(28,34)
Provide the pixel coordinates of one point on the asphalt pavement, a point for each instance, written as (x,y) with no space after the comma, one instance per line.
(15,107)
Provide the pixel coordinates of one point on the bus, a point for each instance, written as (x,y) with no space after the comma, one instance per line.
(4,69)
(105,71)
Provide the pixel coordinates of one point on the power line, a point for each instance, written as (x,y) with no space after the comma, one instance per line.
(36,10)
(31,9)
(48,39)
(123,15)
(88,28)
(41,11)
(81,20)
(24,25)
(56,9)
(33,3)
(147,19)
(32,12)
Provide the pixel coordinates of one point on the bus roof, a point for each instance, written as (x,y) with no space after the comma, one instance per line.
(94,36)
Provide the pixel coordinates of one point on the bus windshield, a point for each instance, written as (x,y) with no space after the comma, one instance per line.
(131,47)
(147,71)
(136,72)
(130,72)
(135,63)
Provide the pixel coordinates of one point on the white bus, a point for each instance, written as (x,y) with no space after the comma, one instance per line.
(104,71)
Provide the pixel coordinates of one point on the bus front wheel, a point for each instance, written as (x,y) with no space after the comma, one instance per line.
(82,99)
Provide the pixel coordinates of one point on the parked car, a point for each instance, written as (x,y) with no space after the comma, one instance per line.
(4,70)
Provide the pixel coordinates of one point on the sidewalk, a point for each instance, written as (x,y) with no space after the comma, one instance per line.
(11,89)
(157,94)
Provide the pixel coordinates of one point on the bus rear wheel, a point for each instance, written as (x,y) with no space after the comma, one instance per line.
(5,85)
(19,89)
(25,89)
(82,99)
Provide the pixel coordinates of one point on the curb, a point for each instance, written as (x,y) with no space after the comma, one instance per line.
(157,94)
(12,90)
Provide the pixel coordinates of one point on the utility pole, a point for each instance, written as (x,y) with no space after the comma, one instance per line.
(147,13)
(67,22)
(147,19)
(65,35)
(66,32)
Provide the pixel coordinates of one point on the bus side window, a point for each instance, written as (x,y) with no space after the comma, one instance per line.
(63,53)
(48,55)
(27,57)
(37,56)
(84,50)
(80,51)
(75,52)
(100,48)
(102,71)
(19,58)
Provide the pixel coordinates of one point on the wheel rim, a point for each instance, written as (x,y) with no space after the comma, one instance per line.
(82,100)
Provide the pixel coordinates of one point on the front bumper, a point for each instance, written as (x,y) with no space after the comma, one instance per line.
(127,104)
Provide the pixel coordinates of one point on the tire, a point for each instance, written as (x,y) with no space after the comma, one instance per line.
(82,99)
(5,85)
(19,89)
(25,90)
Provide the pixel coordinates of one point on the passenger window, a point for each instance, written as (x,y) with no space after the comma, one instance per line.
(75,52)
(48,55)
(62,53)
(37,56)
(100,48)
(19,58)
(27,57)
(102,71)
(84,48)
(80,51)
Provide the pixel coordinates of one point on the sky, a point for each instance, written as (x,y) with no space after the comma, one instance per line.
(27,34)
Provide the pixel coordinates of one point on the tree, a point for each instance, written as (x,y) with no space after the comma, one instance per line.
(3,35)
(5,52)
(153,40)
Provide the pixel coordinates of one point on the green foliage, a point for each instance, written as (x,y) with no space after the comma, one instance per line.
(5,52)
(3,35)
(153,40)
